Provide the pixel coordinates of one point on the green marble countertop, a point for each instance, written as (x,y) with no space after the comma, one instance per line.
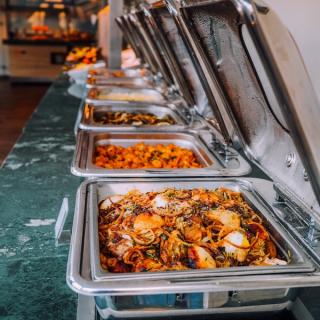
(34,180)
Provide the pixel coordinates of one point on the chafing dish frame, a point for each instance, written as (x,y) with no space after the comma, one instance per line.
(127,90)
(129,82)
(79,274)
(88,122)
(217,161)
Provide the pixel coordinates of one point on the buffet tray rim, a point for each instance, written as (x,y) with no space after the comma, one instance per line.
(249,193)
(172,109)
(79,278)
(218,167)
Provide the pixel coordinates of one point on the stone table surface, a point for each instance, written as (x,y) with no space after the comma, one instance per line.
(34,180)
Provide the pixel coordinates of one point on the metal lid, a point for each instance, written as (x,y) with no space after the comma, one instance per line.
(161,22)
(179,59)
(140,38)
(121,22)
(264,90)
(153,47)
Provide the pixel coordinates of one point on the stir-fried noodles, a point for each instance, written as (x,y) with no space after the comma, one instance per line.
(179,229)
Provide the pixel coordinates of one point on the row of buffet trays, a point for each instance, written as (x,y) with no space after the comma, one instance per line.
(236,94)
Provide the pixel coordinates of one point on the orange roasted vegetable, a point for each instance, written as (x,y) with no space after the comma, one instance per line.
(145,156)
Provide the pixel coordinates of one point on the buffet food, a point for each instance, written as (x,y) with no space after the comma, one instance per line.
(131,118)
(121,95)
(115,74)
(180,229)
(145,156)
(84,55)
(102,72)
(93,74)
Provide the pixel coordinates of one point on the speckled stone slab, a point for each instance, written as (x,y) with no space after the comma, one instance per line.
(34,180)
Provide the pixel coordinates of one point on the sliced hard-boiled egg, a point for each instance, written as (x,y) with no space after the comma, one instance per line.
(148,221)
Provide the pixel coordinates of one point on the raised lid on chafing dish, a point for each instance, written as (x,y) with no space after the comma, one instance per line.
(128,36)
(91,113)
(79,273)
(252,59)
(181,82)
(165,72)
(185,76)
(133,26)
(292,253)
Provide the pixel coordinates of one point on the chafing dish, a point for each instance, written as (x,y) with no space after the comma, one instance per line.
(214,160)
(203,291)
(298,262)
(251,67)
(129,82)
(126,73)
(107,94)
(193,105)
(91,115)
(193,101)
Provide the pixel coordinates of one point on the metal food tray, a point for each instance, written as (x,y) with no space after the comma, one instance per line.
(299,273)
(91,111)
(285,245)
(213,163)
(154,96)
(129,82)
(112,73)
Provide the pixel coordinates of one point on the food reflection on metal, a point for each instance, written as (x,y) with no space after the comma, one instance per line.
(181,229)
(145,156)
(135,119)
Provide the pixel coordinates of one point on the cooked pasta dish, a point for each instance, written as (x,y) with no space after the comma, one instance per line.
(180,229)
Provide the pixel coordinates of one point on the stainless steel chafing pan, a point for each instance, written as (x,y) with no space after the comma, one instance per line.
(214,162)
(223,295)
(91,113)
(119,73)
(130,82)
(136,77)
(302,271)
(113,93)
(292,253)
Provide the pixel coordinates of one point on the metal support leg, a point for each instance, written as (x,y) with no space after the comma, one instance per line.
(86,309)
